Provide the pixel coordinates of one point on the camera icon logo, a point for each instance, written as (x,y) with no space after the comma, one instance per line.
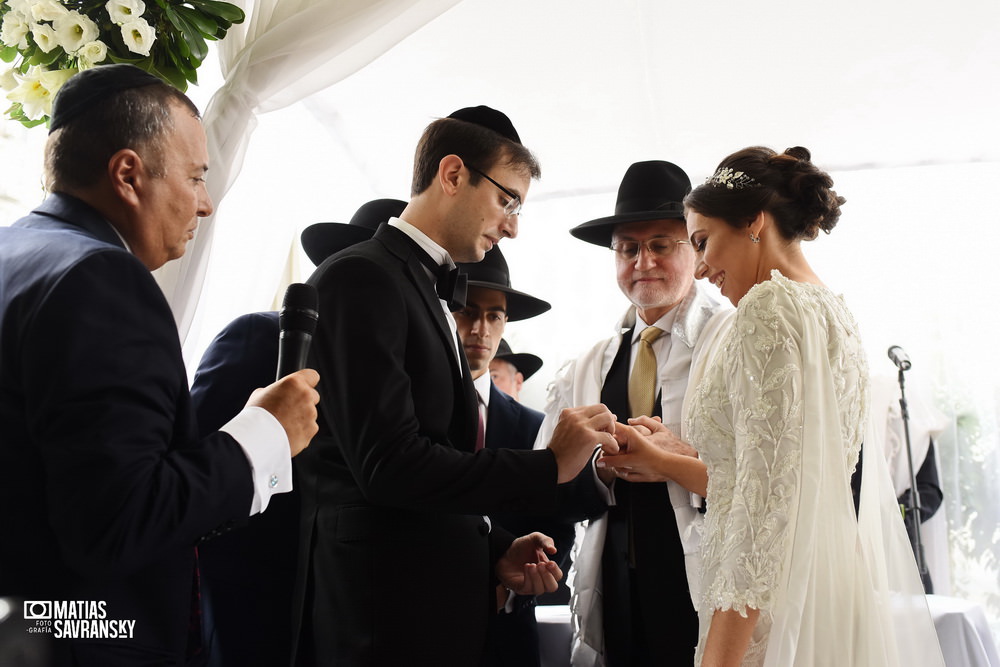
(37,611)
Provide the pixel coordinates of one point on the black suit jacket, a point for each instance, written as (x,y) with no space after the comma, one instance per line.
(397,558)
(513,425)
(513,637)
(247,575)
(108,487)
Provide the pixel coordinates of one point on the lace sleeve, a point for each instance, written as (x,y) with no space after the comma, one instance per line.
(764,383)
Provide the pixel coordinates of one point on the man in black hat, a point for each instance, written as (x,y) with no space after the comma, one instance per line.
(510,370)
(109,487)
(490,303)
(398,564)
(248,575)
(640,536)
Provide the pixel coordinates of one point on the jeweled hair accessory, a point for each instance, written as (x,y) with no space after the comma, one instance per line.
(732,180)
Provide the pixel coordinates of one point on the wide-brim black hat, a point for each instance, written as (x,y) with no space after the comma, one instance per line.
(492,273)
(326,238)
(527,364)
(652,190)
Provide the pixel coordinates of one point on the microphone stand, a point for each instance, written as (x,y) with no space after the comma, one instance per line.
(913,512)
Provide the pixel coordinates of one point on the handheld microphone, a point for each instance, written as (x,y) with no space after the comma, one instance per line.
(900,358)
(297,322)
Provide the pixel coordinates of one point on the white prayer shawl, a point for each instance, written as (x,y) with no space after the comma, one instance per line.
(579,382)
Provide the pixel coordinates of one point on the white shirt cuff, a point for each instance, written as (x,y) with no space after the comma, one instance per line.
(605,491)
(508,606)
(265,444)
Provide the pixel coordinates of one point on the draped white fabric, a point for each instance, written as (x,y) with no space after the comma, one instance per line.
(285,51)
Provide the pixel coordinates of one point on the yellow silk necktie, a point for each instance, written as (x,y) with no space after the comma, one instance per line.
(642,383)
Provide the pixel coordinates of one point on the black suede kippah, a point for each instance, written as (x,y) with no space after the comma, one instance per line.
(92,85)
(488,118)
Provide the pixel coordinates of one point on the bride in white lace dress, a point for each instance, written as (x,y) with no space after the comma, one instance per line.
(777,413)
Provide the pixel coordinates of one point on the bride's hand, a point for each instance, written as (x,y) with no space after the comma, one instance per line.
(641,459)
(662,436)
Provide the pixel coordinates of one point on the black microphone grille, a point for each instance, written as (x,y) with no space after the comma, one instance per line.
(299,308)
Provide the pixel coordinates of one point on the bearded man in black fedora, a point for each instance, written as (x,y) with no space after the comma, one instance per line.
(632,600)
(248,575)
(398,564)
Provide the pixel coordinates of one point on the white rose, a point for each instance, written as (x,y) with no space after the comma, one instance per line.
(8,81)
(47,10)
(74,30)
(36,91)
(92,53)
(138,36)
(22,7)
(14,31)
(45,36)
(123,11)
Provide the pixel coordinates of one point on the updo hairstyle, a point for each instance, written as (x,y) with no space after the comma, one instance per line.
(788,186)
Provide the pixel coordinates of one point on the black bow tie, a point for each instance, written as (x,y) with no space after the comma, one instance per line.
(451,285)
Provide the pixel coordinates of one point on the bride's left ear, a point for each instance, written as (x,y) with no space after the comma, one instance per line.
(760,223)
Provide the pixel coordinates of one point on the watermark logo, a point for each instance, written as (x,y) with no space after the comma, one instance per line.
(75,619)
(37,611)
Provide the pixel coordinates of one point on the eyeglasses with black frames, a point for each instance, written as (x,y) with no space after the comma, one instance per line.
(660,247)
(513,205)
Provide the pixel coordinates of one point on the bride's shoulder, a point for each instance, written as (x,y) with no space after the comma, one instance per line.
(777,297)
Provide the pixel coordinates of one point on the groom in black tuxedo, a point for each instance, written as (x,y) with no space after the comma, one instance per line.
(399,565)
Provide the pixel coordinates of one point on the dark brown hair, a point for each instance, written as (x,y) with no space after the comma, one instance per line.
(77,154)
(789,186)
(478,146)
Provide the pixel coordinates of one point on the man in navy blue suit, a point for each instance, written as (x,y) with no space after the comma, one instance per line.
(248,575)
(108,486)
(490,303)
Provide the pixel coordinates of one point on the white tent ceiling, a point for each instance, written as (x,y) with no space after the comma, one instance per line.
(890,96)
(593,86)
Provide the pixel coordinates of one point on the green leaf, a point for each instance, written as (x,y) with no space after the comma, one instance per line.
(180,48)
(16,112)
(42,58)
(223,10)
(115,58)
(174,19)
(205,25)
(176,52)
(193,38)
(8,53)
(171,76)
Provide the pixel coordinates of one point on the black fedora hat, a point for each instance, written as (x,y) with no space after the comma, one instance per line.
(652,190)
(526,364)
(326,238)
(492,273)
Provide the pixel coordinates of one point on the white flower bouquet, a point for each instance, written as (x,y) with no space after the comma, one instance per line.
(45,42)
